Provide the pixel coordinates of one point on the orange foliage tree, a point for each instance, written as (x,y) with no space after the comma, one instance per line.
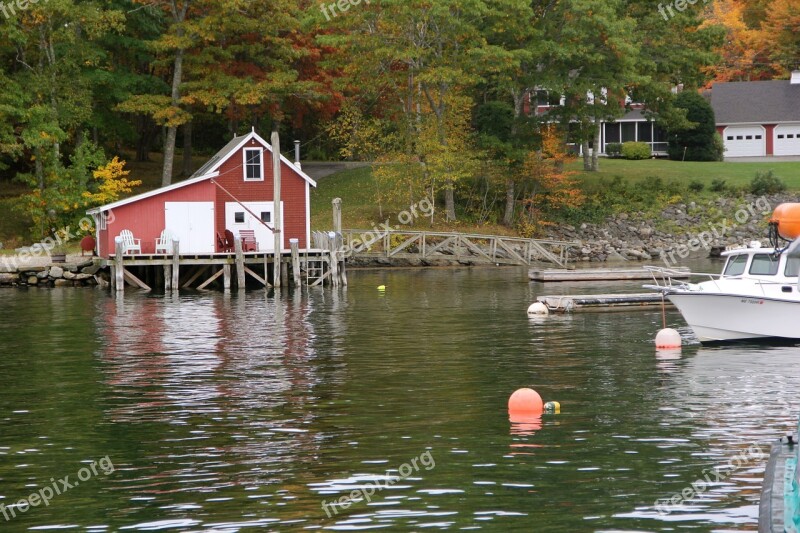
(549,186)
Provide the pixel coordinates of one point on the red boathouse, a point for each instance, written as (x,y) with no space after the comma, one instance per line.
(227,193)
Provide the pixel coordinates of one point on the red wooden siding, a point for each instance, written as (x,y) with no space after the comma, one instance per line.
(145,218)
(293,193)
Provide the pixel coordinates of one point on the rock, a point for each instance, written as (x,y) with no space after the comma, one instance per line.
(43,274)
(101,282)
(62,283)
(91,269)
(56,272)
(81,277)
(33,280)
(69,275)
(7,278)
(35,269)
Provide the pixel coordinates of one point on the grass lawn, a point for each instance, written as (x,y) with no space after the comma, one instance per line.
(733,173)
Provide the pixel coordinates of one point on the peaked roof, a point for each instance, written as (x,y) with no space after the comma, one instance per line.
(756,102)
(209,170)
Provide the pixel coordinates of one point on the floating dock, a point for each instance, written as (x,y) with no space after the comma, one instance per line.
(598,274)
(602,302)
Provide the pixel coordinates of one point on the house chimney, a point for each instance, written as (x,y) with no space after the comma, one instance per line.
(297,154)
(795,77)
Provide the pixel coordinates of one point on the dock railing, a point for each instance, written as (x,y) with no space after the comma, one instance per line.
(472,247)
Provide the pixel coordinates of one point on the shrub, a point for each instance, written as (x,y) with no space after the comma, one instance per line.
(632,150)
(696,186)
(614,150)
(766,183)
(718,185)
(697,142)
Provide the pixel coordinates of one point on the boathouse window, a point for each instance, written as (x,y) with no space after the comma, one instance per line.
(238,218)
(253,169)
(266,216)
(764,265)
(736,264)
(792,267)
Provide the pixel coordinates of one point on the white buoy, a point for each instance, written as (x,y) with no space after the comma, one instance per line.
(668,338)
(538,308)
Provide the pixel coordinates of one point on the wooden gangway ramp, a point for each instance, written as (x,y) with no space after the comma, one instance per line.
(598,274)
(602,302)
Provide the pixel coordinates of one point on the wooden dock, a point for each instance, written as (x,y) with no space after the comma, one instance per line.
(598,274)
(602,302)
(175,271)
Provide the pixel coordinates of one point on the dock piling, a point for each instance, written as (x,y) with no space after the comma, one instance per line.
(295,247)
(176,262)
(239,264)
(119,269)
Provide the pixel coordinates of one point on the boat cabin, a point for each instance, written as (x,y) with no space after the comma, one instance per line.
(760,263)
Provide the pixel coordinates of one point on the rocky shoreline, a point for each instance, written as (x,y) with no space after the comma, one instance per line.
(84,274)
(677,232)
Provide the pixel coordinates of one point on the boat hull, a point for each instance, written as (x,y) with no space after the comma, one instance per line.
(731,317)
(771,508)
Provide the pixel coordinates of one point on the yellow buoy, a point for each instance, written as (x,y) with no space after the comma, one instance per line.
(552,408)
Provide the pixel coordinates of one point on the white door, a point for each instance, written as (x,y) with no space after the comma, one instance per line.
(193,224)
(745,141)
(238,218)
(787,139)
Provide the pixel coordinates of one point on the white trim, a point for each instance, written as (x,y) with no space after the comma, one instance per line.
(260,151)
(308,216)
(267,147)
(150,194)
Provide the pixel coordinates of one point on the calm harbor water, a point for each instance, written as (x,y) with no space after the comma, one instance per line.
(234,413)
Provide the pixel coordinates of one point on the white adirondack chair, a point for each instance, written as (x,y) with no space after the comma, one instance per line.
(164,243)
(129,244)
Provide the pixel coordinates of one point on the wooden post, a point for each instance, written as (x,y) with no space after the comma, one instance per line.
(239,263)
(226,281)
(119,270)
(295,246)
(167,277)
(284,273)
(334,261)
(176,264)
(276,198)
(337,215)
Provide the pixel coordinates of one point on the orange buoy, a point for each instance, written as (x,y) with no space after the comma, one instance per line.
(787,218)
(525,401)
(668,338)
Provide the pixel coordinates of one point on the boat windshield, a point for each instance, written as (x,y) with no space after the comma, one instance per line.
(736,264)
(792,267)
(764,265)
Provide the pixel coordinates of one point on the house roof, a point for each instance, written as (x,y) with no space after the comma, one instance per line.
(756,102)
(209,170)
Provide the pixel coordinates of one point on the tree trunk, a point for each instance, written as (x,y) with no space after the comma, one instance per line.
(172,131)
(508,216)
(450,201)
(587,156)
(187,149)
(596,149)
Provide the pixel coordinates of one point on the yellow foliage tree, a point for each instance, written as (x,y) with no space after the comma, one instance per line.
(113,183)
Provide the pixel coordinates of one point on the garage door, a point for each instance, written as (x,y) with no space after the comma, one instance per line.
(193,224)
(745,141)
(787,139)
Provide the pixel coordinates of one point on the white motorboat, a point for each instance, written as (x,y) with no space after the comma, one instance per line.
(755,297)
